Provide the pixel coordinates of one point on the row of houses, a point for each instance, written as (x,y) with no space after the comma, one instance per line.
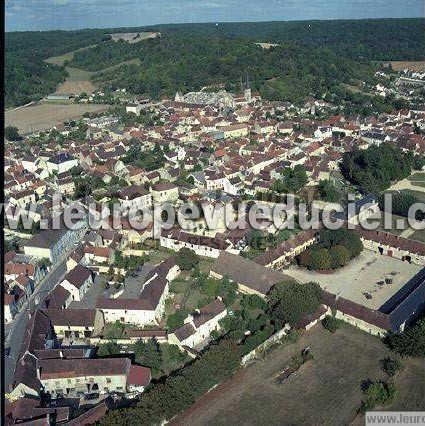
(46,366)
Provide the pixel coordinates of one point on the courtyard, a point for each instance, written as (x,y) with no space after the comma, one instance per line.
(363,276)
(130,290)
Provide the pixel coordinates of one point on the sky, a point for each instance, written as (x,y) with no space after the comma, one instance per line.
(24,15)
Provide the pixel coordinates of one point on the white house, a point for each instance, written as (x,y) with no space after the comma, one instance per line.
(135,196)
(61,163)
(165,192)
(9,307)
(149,308)
(77,282)
(197,328)
(66,377)
(175,239)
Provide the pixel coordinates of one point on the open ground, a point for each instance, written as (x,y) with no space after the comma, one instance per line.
(415,182)
(361,276)
(267,46)
(411,65)
(77,82)
(44,116)
(325,390)
(133,37)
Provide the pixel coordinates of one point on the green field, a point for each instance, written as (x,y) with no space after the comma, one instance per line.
(418,176)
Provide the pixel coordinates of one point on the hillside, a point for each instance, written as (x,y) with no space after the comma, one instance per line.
(312,56)
(183,62)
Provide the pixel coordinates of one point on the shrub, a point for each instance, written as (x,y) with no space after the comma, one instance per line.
(391,366)
(377,393)
(331,323)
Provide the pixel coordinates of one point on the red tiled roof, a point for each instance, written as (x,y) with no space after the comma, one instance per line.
(139,376)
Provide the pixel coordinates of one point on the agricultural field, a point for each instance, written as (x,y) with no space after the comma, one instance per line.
(45,115)
(76,83)
(60,60)
(325,390)
(134,37)
(412,65)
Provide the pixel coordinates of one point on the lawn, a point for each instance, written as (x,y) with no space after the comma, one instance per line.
(325,390)
(417,177)
(418,183)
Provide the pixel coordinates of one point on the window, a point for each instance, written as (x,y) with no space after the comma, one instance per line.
(108,380)
(69,381)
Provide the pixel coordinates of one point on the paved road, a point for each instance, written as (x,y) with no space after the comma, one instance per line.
(18,327)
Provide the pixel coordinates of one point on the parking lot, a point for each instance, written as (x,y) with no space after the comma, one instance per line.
(361,276)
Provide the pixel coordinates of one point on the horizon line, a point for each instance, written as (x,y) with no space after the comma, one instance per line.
(218,22)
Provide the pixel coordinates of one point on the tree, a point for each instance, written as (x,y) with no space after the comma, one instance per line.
(44,263)
(114,330)
(148,354)
(331,323)
(339,256)
(11,133)
(228,291)
(328,192)
(176,320)
(290,302)
(377,393)
(334,249)
(375,168)
(256,239)
(410,342)
(108,349)
(320,259)
(251,302)
(187,259)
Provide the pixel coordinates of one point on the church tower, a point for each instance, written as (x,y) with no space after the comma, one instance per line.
(247,91)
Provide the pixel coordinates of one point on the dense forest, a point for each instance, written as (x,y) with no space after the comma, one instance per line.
(313,56)
(27,76)
(372,39)
(374,169)
(174,62)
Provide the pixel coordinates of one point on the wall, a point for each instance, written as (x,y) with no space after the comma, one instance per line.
(395,252)
(362,325)
(80,383)
(138,317)
(259,350)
